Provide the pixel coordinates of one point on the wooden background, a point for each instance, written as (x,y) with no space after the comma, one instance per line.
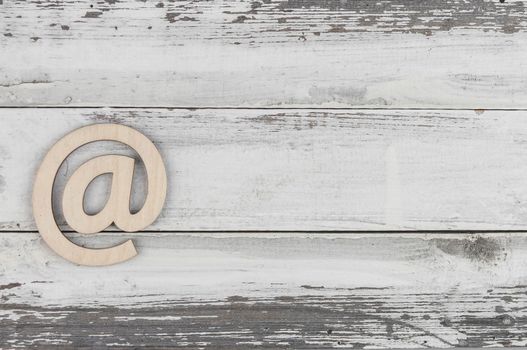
(342,173)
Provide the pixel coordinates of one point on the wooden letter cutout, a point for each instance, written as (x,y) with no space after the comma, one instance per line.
(116,210)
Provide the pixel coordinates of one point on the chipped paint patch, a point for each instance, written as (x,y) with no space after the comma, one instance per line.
(93,14)
(10,285)
(480,249)
(416,17)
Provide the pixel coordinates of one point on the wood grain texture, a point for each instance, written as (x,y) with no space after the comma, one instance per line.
(294,169)
(269,290)
(310,53)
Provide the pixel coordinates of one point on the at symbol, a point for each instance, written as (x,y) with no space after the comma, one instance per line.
(117,208)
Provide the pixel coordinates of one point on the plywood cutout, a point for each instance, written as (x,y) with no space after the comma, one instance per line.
(117,208)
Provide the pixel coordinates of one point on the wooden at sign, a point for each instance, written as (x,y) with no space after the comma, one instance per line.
(116,210)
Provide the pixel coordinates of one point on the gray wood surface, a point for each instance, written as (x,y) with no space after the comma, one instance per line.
(307,322)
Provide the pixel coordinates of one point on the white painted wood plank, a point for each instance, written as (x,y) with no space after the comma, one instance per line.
(296,169)
(252,264)
(311,290)
(314,53)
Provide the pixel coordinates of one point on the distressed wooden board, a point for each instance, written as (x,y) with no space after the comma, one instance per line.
(269,290)
(313,53)
(295,169)
(307,322)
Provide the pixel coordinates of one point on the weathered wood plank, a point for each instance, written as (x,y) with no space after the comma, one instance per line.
(269,290)
(306,322)
(397,53)
(295,169)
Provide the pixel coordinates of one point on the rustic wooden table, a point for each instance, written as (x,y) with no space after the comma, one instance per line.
(341,173)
